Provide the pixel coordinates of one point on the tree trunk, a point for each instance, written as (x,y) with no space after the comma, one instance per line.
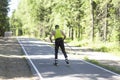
(79,32)
(69,32)
(72,33)
(92,22)
(119,26)
(106,23)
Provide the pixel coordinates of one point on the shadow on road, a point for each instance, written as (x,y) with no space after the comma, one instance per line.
(12,62)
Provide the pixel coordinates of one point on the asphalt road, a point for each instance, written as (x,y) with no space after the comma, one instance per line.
(40,56)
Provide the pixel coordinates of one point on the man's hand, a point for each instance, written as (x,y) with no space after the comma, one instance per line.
(50,38)
(51,41)
(64,37)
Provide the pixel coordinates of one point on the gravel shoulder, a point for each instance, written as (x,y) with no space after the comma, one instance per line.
(13,65)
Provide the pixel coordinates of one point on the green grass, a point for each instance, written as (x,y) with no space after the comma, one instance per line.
(78,43)
(102,49)
(111,68)
(110,47)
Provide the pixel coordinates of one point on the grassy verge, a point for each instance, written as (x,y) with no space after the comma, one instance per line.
(111,68)
(111,47)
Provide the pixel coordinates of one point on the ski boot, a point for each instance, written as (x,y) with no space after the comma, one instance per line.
(67,61)
(56,64)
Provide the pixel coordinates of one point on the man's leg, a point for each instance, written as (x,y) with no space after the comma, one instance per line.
(56,52)
(56,49)
(63,48)
(64,52)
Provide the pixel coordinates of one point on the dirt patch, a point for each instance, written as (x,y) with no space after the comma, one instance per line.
(13,65)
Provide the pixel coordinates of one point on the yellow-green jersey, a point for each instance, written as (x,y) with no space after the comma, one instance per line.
(58,34)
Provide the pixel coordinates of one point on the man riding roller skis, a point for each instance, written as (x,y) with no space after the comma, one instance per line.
(59,42)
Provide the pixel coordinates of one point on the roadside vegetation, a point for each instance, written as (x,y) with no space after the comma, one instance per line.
(111,68)
(109,47)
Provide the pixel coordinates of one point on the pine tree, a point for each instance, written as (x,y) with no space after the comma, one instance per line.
(3,16)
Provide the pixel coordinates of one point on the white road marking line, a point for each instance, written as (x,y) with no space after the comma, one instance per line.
(101,68)
(35,68)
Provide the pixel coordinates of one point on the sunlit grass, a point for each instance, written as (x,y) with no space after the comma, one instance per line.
(20,78)
(111,47)
(112,68)
(78,43)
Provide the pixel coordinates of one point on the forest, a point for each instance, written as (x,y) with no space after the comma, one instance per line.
(84,22)
(4,21)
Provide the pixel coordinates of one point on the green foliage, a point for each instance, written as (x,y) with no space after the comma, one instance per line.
(78,43)
(92,61)
(111,47)
(102,49)
(38,17)
(68,40)
(4,25)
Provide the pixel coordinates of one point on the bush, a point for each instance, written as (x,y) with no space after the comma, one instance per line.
(102,49)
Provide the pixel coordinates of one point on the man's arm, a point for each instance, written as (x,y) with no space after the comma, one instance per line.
(51,36)
(63,34)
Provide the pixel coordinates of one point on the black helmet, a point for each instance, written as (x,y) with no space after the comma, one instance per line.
(56,26)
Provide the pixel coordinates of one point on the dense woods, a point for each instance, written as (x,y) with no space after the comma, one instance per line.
(81,19)
(95,20)
(4,23)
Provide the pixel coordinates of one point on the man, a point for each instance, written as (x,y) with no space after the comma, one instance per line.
(59,42)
